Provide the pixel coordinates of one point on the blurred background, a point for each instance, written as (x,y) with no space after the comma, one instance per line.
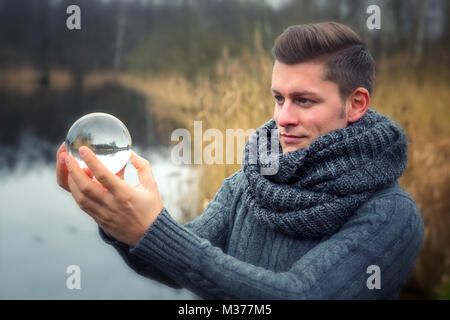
(159,65)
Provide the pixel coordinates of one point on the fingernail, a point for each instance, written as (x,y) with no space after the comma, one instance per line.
(67,161)
(82,152)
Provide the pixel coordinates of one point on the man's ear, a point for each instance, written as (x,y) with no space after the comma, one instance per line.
(358,103)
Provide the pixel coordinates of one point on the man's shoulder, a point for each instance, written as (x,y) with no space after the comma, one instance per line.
(231,186)
(236,180)
(393,192)
(394,204)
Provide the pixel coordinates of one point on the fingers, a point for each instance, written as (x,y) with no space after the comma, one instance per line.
(121,173)
(109,180)
(83,182)
(144,170)
(62,148)
(61,169)
(90,206)
(88,172)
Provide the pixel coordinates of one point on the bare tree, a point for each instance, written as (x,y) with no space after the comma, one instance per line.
(121,26)
(421,24)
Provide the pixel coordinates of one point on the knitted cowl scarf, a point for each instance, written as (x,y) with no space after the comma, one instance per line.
(316,189)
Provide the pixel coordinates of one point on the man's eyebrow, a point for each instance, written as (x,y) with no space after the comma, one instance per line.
(297,93)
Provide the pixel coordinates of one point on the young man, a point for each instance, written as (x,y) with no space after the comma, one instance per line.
(331,223)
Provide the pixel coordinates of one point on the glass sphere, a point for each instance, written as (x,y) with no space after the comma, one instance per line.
(105,135)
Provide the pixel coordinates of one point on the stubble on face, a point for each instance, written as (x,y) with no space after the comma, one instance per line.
(285,80)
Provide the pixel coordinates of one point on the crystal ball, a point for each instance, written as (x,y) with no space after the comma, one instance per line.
(105,135)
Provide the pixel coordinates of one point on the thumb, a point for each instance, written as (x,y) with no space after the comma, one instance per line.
(144,171)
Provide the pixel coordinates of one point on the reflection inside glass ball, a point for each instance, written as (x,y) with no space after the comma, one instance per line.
(105,135)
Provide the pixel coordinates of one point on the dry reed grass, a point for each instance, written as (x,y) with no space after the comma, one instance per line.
(417,98)
(25,79)
(22,79)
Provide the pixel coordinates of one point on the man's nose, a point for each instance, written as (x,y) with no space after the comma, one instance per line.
(287,115)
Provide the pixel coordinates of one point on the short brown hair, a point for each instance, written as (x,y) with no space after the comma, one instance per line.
(347,59)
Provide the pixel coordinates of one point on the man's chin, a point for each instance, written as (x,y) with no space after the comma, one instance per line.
(290,148)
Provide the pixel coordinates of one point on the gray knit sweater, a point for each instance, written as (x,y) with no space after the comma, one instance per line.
(317,247)
(226,254)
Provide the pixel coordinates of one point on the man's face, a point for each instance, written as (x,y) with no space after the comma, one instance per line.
(306,106)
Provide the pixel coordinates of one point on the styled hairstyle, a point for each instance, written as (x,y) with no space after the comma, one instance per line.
(347,59)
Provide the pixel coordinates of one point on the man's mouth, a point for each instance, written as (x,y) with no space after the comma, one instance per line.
(290,138)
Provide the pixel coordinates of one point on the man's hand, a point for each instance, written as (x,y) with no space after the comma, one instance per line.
(123,211)
(61,169)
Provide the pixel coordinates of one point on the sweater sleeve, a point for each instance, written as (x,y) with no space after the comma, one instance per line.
(211,225)
(386,233)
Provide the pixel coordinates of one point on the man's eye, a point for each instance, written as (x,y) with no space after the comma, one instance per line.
(303,100)
(279,98)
